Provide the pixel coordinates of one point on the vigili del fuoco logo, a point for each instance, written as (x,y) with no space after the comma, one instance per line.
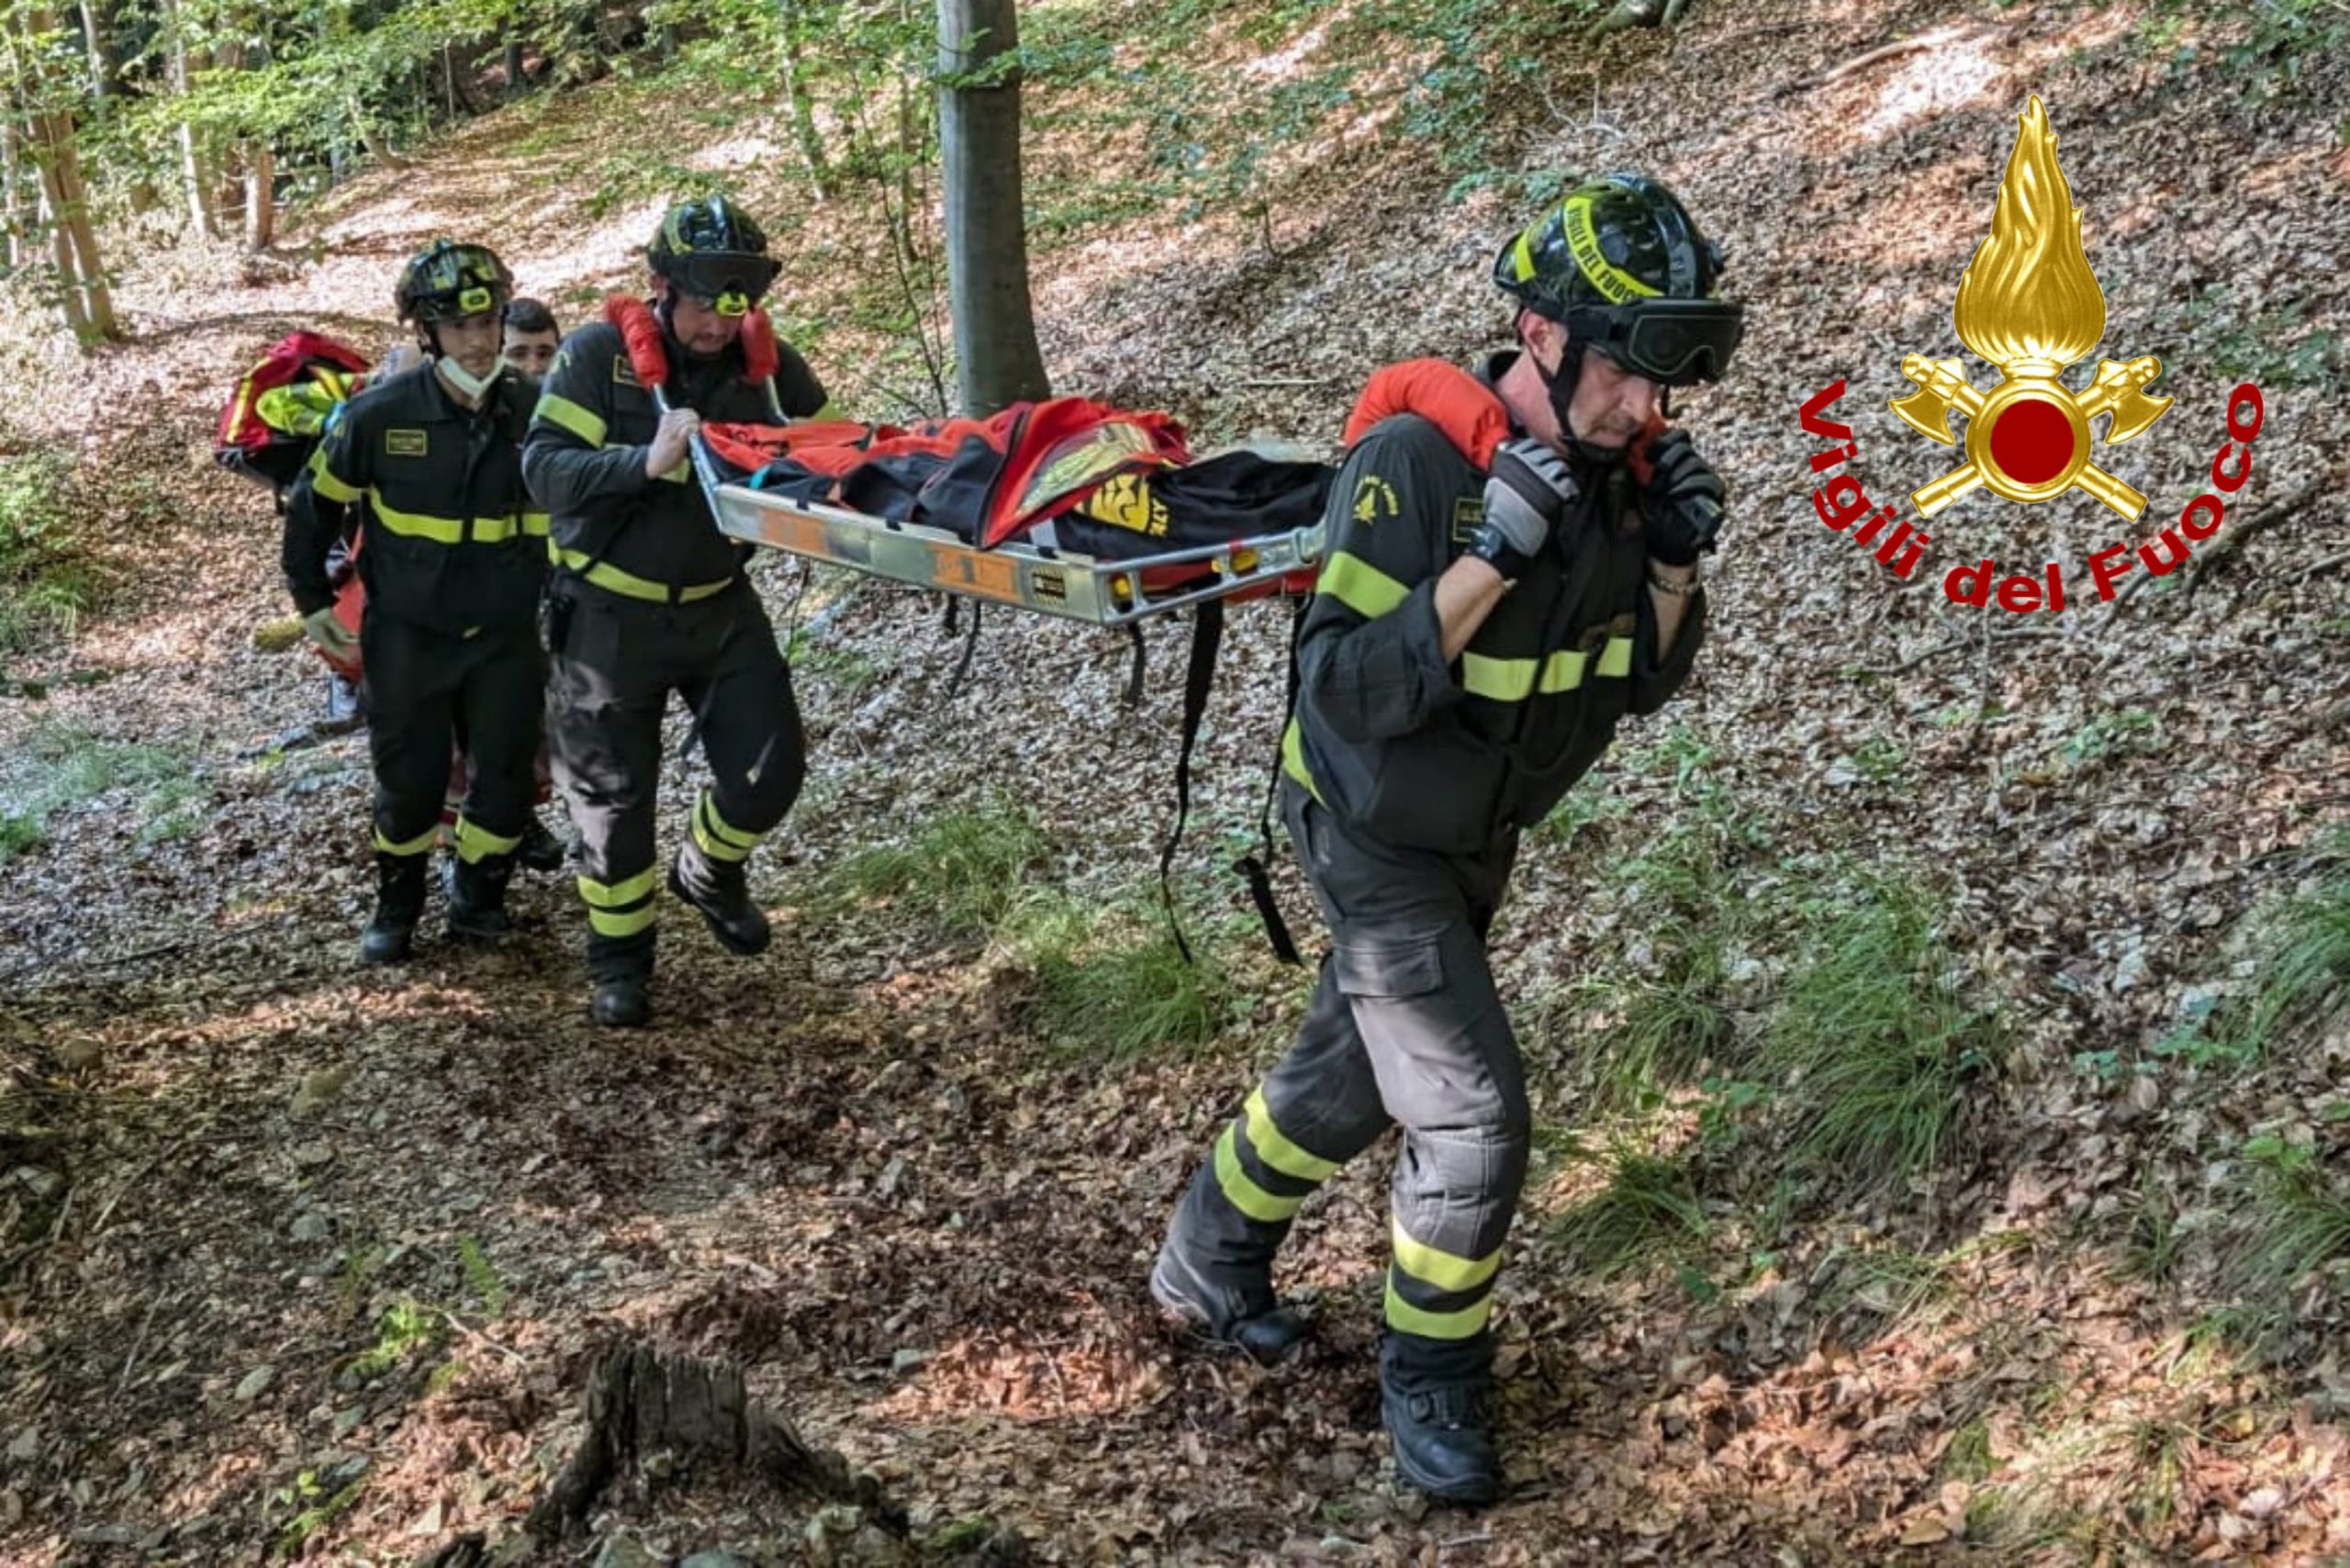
(2029,305)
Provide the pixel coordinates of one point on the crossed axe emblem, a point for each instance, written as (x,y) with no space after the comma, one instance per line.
(2028,438)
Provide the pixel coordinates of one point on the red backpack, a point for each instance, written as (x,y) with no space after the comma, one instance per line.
(272,423)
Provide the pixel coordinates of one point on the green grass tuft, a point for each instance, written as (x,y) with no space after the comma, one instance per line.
(1874,1042)
(972,868)
(1110,984)
(1649,1210)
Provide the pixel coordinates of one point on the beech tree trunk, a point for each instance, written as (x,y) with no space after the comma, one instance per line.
(997,359)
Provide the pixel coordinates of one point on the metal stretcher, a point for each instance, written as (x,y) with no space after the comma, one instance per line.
(1043,578)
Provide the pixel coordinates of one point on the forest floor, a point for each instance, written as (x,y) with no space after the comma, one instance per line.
(301,1258)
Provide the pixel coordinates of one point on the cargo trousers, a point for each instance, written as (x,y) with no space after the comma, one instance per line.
(616,661)
(1406,1028)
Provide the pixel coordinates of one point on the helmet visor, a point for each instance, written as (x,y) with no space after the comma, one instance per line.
(1675,342)
(728,282)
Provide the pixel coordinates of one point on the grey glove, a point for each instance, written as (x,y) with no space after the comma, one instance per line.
(332,637)
(1527,490)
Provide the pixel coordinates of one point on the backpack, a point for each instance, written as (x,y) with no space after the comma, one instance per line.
(273,422)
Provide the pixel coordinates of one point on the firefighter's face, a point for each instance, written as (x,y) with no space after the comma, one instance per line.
(700,328)
(472,342)
(531,354)
(1611,404)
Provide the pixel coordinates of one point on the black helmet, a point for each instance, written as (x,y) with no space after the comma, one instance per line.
(708,248)
(1620,264)
(450,282)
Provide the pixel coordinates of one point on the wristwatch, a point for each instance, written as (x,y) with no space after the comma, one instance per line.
(1667,586)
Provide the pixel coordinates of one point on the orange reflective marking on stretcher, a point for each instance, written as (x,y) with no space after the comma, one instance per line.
(991,576)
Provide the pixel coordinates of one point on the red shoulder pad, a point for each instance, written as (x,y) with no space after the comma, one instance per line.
(640,332)
(759,355)
(1463,408)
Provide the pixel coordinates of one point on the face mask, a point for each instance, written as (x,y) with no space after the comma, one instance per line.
(457,376)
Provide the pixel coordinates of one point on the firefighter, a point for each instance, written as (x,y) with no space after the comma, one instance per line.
(531,339)
(649,599)
(1473,641)
(452,562)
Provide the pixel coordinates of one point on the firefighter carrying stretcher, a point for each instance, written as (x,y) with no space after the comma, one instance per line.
(649,598)
(1475,635)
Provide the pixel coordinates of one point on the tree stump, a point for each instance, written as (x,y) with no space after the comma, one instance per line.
(640,1402)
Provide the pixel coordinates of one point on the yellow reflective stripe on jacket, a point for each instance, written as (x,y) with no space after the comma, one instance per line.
(560,411)
(328,483)
(1514,680)
(615,895)
(1274,1148)
(604,575)
(1293,760)
(1445,1271)
(450,530)
(1242,1192)
(605,923)
(1402,1314)
(417,846)
(1360,585)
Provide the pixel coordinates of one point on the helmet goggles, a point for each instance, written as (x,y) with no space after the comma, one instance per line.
(1674,342)
(728,282)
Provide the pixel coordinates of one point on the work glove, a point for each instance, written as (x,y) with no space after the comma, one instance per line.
(671,442)
(333,638)
(1528,488)
(1680,506)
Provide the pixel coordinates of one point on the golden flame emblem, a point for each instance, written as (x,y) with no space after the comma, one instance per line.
(2029,304)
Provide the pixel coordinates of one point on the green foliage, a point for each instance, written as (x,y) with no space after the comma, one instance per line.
(2271,49)
(59,766)
(312,1507)
(1873,1041)
(45,581)
(403,1327)
(970,866)
(1648,1210)
(2292,1241)
(1112,985)
(482,1281)
(2301,961)
(2266,340)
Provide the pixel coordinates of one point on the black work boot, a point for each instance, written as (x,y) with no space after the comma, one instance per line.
(621,1001)
(541,850)
(1260,1327)
(477,893)
(1443,1437)
(721,891)
(399,904)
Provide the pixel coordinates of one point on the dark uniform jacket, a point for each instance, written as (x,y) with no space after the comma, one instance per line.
(452,544)
(647,539)
(1423,754)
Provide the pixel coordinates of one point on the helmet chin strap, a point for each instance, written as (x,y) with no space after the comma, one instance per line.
(1560,387)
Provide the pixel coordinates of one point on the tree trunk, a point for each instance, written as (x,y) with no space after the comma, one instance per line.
(80,273)
(16,214)
(196,176)
(515,80)
(261,196)
(97,30)
(997,359)
(802,104)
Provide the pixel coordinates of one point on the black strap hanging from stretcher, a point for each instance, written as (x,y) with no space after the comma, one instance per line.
(1207,638)
(1258,868)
